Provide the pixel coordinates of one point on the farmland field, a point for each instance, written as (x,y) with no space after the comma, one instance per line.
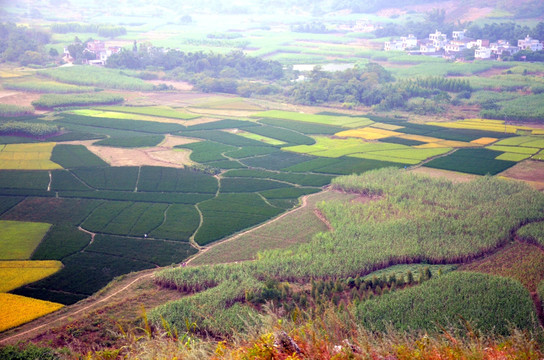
(18,273)
(421,211)
(22,310)
(335,120)
(166,112)
(472,161)
(27,157)
(19,239)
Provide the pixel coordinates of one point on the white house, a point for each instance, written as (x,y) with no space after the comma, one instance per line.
(409,41)
(405,42)
(458,35)
(438,39)
(482,53)
(427,49)
(529,44)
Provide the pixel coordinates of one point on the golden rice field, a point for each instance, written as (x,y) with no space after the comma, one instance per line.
(17,310)
(9,74)
(368,133)
(18,273)
(27,157)
(119,115)
(484,141)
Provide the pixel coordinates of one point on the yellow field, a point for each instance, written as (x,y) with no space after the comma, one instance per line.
(27,157)
(17,310)
(18,273)
(368,133)
(120,115)
(484,141)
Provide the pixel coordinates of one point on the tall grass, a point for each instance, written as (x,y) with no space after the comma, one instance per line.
(96,76)
(7,110)
(411,219)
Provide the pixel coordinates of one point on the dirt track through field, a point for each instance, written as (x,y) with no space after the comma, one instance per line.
(234,237)
(70,314)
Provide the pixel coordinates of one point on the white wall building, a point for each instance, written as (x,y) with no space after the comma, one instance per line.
(529,44)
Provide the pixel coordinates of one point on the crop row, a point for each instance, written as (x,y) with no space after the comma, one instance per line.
(152,111)
(482,300)
(302,127)
(223,124)
(83,274)
(7,110)
(38,130)
(334,120)
(300,179)
(42,86)
(229,213)
(341,166)
(75,156)
(122,124)
(96,76)
(207,151)
(275,161)
(175,180)
(158,252)
(439,222)
(472,161)
(285,135)
(223,138)
(51,101)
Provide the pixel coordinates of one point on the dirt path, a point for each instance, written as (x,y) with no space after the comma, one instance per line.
(70,314)
(236,236)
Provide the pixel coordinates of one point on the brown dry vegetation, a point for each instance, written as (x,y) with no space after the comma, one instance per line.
(18,98)
(520,261)
(451,175)
(160,155)
(530,171)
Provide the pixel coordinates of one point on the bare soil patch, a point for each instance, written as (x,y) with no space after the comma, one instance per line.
(169,98)
(531,171)
(18,98)
(178,85)
(450,175)
(162,155)
(155,156)
(491,72)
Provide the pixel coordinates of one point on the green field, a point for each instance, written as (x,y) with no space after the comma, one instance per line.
(166,112)
(19,239)
(344,121)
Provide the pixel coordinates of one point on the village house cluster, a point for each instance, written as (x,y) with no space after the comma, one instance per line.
(97,48)
(438,44)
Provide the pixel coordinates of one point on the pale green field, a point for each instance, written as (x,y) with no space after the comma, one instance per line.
(20,238)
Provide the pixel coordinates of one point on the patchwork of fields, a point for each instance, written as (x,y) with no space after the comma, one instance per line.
(110,220)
